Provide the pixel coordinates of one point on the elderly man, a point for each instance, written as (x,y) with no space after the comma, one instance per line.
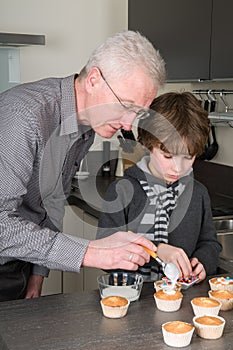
(46,128)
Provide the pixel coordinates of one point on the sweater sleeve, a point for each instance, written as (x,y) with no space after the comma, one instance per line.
(208,248)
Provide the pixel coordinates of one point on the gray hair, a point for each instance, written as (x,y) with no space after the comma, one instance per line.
(124,52)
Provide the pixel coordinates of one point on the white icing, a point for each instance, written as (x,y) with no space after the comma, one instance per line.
(169,291)
(223,280)
(123,291)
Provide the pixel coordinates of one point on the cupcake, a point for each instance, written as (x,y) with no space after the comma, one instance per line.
(168,300)
(164,283)
(205,306)
(177,333)
(114,306)
(221,283)
(209,326)
(224,296)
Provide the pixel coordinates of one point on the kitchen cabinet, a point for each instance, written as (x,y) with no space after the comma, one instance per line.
(78,223)
(73,225)
(65,282)
(190,36)
(221,50)
(53,283)
(90,274)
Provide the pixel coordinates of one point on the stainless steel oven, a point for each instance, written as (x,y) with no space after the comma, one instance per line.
(224,228)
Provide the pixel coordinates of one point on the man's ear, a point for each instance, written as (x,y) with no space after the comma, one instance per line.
(93,78)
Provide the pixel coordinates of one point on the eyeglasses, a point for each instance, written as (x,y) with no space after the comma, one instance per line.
(142,113)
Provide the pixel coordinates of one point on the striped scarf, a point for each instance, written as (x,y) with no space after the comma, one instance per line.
(155,222)
(162,202)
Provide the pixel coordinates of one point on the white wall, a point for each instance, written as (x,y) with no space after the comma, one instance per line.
(73,28)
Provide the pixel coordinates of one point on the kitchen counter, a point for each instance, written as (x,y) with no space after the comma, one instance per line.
(75,321)
(88,194)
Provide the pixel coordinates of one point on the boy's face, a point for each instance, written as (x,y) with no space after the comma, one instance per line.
(169,167)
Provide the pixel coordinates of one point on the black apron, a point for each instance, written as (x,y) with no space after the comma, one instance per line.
(14,277)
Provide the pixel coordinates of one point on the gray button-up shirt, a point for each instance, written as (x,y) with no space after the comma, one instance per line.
(41,146)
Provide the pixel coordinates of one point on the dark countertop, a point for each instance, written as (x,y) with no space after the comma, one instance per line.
(75,321)
(88,194)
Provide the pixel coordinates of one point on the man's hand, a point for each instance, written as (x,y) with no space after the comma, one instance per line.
(121,250)
(34,286)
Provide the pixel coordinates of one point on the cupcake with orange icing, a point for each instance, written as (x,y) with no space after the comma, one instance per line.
(114,306)
(224,296)
(168,300)
(205,306)
(177,333)
(209,326)
(221,283)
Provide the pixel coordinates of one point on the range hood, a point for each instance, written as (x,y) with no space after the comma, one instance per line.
(15,39)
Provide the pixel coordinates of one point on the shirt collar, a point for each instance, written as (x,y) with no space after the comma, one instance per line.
(69,121)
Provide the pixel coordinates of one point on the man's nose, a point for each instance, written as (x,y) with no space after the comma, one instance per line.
(127,121)
(126,126)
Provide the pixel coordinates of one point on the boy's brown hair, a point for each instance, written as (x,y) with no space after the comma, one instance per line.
(178,125)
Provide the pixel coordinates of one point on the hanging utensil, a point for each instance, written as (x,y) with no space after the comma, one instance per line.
(128,134)
(212,149)
(125,144)
(206,107)
(129,139)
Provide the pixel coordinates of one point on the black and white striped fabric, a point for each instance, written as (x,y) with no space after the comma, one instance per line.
(155,222)
(162,203)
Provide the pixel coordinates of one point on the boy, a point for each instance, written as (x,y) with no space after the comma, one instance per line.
(158,196)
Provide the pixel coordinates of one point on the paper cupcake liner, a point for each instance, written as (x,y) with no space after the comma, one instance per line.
(220,286)
(168,305)
(227,304)
(114,311)
(209,332)
(177,340)
(201,310)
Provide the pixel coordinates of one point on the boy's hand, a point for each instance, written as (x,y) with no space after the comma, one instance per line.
(198,268)
(177,256)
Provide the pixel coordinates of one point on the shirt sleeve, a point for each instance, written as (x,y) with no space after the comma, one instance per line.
(21,238)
